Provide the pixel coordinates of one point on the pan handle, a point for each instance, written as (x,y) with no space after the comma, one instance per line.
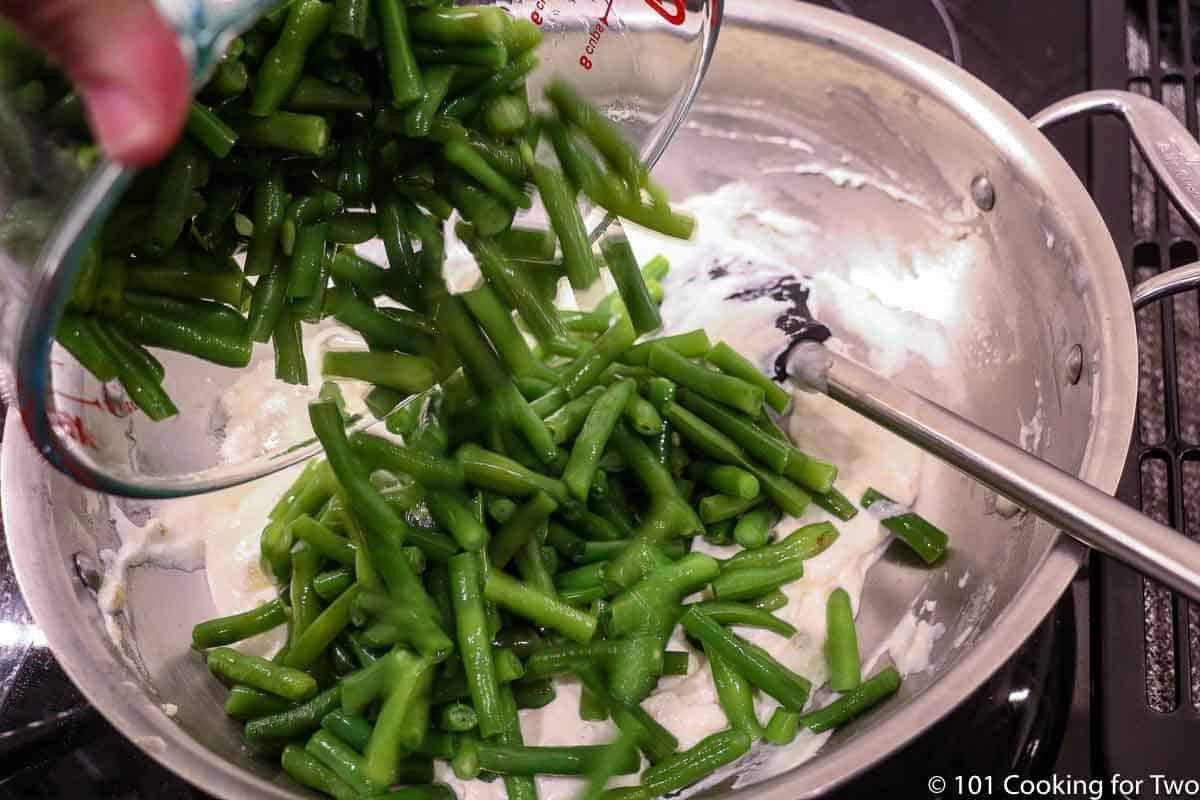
(1170,151)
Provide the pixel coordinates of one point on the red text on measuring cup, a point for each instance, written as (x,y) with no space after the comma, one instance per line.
(674,16)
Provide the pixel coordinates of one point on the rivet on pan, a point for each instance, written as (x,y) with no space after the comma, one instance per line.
(88,571)
(983,193)
(1074,366)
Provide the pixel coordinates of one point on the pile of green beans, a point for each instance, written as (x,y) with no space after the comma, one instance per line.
(438,580)
(331,123)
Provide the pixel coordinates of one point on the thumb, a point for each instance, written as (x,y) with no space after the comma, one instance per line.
(126,63)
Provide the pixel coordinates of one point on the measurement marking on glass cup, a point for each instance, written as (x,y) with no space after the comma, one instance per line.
(594,35)
(675,15)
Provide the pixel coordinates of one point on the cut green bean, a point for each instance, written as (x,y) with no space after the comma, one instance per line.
(283,64)
(538,607)
(404,75)
(841,643)
(731,362)
(235,628)
(559,201)
(685,768)
(520,528)
(725,389)
(869,693)
(783,727)
(245,703)
(924,538)
(474,642)
(259,673)
(724,478)
(745,615)
(400,371)
(750,582)
(309,771)
(735,695)
(594,436)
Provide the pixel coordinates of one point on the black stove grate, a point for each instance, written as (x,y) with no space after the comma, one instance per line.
(1146,696)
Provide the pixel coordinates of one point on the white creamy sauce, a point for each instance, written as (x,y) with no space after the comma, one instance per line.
(754,244)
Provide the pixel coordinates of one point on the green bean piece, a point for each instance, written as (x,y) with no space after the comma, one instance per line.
(771,601)
(741,429)
(418,119)
(745,615)
(506,115)
(751,661)
(491,55)
(497,473)
(223,287)
(283,64)
(585,322)
(343,761)
(182,175)
(305,134)
(328,585)
(429,469)
(724,478)
(653,739)
(230,79)
(525,760)
(351,18)
(731,362)
(513,286)
(76,337)
(409,686)
(314,96)
(306,605)
(804,543)
(594,436)
(307,258)
(520,528)
(870,692)
(269,206)
(534,694)
(404,75)
(749,582)
(923,537)
(295,722)
(134,369)
(685,768)
(497,323)
(601,132)
(236,627)
(461,25)
(588,370)
(531,244)
(350,728)
(246,703)
(592,552)
(259,673)
(782,728)
(841,643)
(323,540)
(724,389)
(636,665)
(720,507)
(450,512)
(836,504)
(290,364)
(465,157)
(538,607)
(210,130)
(306,649)
(390,328)
(565,423)
(753,529)
(400,371)
(652,601)
(309,771)
(735,695)
(559,201)
(457,718)
(642,310)
(474,643)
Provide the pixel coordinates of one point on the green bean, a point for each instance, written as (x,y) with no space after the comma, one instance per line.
(729,361)
(592,552)
(428,469)
(324,629)
(75,335)
(689,766)
(735,695)
(474,642)
(836,504)
(745,615)
(230,79)
(497,322)
(283,64)
(362,688)
(409,687)
(565,542)
(924,538)
(565,423)
(236,627)
(259,673)
(203,315)
(588,370)
(720,507)
(724,478)
(491,55)
(404,75)
(582,577)
(541,609)
(534,694)
(210,130)
(586,322)
(465,157)
(654,477)
(652,738)
(751,661)
(530,244)
(392,328)
(356,227)
(110,292)
(525,760)
(747,583)
(313,95)
(637,664)
(564,216)
(809,472)
(642,310)
(513,286)
(306,605)
(309,771)
(462,25)
(270,205)
(841,643)
(782,728)
(451,513)
(139,372)
(188,336)
(400,371)
(223,287)
(771,601)
(182,175)
(305,134)
(741,429)
(651,601)
(351,18)
(343,761)
(418,119)
(307,258)
(290,364)
(295,722)
(506,114)
(246,703)
(497,473)
(803,543)
(350,728)
(725,389)
(870,692)
(323,540)
(594,436)
(754,528)
(520,528)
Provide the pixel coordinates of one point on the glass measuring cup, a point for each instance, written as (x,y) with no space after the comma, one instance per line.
(640,60)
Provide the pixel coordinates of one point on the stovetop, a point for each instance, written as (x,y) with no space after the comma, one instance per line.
(53,744)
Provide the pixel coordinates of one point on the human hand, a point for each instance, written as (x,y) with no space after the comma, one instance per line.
(126,64)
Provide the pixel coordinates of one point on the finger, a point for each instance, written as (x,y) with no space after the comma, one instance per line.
(125,61)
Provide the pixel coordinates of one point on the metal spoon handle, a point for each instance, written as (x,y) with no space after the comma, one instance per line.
(1079,509)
